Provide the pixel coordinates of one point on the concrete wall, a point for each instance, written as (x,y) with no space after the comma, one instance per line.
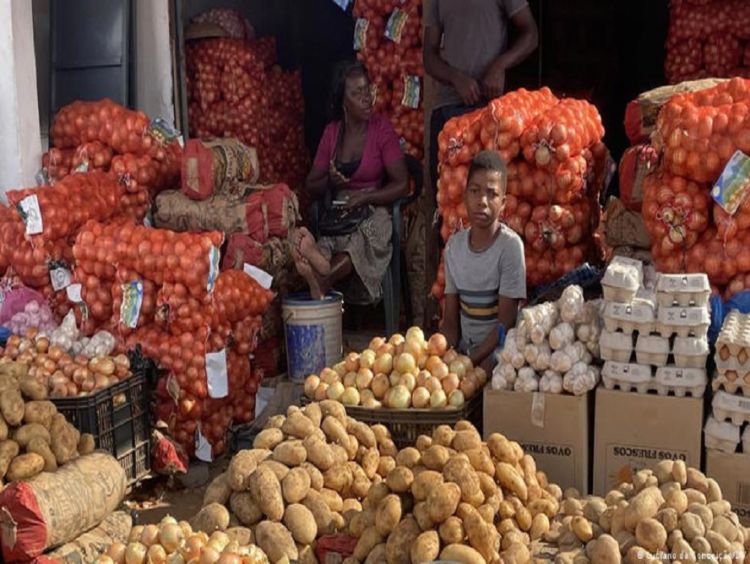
(20,144)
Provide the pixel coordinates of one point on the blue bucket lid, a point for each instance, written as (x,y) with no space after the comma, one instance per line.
(304,299)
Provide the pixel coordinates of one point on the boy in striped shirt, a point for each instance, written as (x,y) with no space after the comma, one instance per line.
(485,269)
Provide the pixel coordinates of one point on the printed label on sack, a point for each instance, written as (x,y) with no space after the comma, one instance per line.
(260,276)
(132,299)
(31,214)
(216,374)
(213,268)
(412,92)
(203,450)
(343,4)
(60,275)
(42,177)
(162,131)
(396,24)
(537,410)
(360,33)
(733,186)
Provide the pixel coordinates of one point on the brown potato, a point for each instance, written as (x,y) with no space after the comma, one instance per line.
(459,471)
(424,483)
(241,535)
(322,514)
(32,388)
(25,466)
(367,542)
(301,523)
(41,447)
(218,491)
(86,444)
(388,514)
(338,478)
(364,434)
(268,438)
(8,451)
(39,412)
(425,548)
(422,515)
(316,477)
(408,457)
(481,461)
(465,440)
(400,541)
(12,407)
(213,517)
(243,506)
(242,465)
(452,530)
(318,453)
(276,541)
(385,465)
(443,435)
(24,434)
(333,409)
(266,491)
(295,485)
(290,453)
(442,502)
(370,462)
(335,431)
(400,479)
(461,553)
(298,425)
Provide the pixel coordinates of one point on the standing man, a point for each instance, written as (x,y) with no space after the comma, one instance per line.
(466,51)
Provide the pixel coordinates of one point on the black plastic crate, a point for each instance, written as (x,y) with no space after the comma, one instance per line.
(118,419)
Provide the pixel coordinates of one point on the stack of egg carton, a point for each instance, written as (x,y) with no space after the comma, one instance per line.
(655,338)
(731,385)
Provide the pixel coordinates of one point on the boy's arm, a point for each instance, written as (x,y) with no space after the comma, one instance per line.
(449,325)
(507,309)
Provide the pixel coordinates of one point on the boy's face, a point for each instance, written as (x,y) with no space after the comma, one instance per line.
(484,198)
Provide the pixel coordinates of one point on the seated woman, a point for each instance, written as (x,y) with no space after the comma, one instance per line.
(360,162)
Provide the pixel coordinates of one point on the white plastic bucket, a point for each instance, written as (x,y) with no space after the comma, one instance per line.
(312,330)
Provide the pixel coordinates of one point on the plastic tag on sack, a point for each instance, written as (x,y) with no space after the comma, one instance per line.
(203,450)
(360,33)
(162,132)
(343,4)
(60,276)
(733,186)
(42,177)
(412,92)
(132,299)
(31,214)
(260,276)
(83,167)
(216,374)
(396,24)
(213,268)
(74,293)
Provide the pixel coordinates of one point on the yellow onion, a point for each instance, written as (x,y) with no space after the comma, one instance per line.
(405,362)
(352,362)
(321,392)
(156,554)
(438,399)
(150,535)
(135,553)
(367,358)
(456,399)
(311,384)
(379,386)
(170,536)
(116,552)
(364,378)
(376,343)
(350,379)
(437,345)
(420,397)
(335,390)
(350,396)
(398,397)
(135,533)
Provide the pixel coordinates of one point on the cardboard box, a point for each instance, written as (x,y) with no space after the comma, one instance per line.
(635,431)
(732,472)
(555,429)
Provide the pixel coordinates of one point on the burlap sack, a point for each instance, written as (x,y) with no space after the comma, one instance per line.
(217,167)
(177,212)
(624,227)
(56,507)
(90,546)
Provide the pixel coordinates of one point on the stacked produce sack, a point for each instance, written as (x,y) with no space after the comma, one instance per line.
(697,133)
(553,347)
(162,290)
(662,323)
(388,38)
(731,385)
(235,90)
(143,154)
(556,168)
(707,38)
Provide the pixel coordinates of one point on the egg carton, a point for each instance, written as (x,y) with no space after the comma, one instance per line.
(652,349)
(731,407)
(622,279)
(628,377)
(732,367)
(734,337)
(683,321)
(680,381)
(615,346)
(721,435)
(683,290)
(690,352)
(631,317)
(731,382)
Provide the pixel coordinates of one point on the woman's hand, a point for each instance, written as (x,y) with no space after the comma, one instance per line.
(357,199)
(337,179)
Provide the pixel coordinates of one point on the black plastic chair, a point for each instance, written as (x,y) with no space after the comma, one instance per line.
(392,279)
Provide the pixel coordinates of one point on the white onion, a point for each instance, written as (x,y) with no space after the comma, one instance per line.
(399,397)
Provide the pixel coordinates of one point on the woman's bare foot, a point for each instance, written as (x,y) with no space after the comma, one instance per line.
(308,249)
(308,273)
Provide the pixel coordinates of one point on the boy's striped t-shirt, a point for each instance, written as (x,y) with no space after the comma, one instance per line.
(480,277)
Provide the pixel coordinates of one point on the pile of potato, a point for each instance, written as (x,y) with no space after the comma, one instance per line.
(302,479)
(400,373)
(670,513)
(173,541)
(34,437)
(456,498)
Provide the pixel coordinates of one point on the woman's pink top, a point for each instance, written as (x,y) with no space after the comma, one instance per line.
(382,148)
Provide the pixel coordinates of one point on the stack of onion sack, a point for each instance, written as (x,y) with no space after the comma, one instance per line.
(388,38)
(556,169)
(106,136)
(234,90)
(697,133)
(162,290)
(707,38)
(38,234)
